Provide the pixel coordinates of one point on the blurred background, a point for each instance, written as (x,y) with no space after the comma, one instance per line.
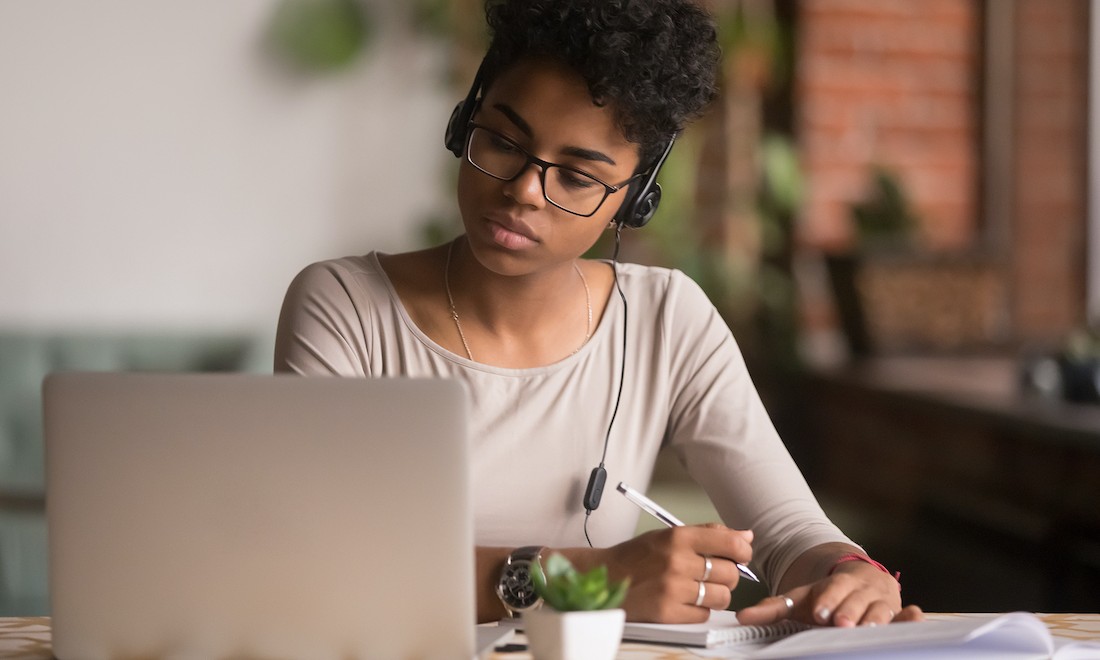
(893,204)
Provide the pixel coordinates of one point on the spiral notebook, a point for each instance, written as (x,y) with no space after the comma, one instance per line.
(721,629)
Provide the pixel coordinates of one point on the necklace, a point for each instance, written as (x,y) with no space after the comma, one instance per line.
(458,324)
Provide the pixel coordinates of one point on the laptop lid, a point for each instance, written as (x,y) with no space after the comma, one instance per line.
(233,515)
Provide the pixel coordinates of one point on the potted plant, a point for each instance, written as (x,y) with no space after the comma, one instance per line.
(884,224)
(580,617)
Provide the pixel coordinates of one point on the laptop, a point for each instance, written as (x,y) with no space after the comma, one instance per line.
(236,515)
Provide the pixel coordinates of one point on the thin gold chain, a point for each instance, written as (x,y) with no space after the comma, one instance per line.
(451,300)
(458,324)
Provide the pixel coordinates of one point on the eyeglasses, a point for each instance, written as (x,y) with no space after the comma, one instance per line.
(565,187)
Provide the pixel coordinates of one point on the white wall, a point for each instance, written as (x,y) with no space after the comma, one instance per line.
(160,169)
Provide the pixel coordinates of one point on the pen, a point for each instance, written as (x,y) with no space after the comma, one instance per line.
(659,512)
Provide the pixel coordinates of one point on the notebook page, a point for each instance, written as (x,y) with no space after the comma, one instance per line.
(1075,650)
(720,629)
(1005,636)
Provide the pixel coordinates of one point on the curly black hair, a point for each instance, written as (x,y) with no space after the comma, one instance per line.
(653,62)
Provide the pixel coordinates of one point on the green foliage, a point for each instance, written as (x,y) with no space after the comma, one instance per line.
(886,215)
(671,235)
(567,590)
(751,30)
(320,35)
(1082,345)
(782,181)
(433,17)
(438,229)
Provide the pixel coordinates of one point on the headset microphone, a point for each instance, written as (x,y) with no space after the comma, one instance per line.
(596,480)
(635,213)
(594,492)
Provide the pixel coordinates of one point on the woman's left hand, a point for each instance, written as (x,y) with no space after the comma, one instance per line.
(855,594)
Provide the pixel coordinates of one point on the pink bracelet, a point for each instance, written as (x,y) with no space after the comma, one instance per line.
(858,557)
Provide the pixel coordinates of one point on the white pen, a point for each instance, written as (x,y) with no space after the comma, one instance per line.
(660,513)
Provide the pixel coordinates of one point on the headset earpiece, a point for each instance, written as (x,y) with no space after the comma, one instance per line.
(455,137)
(646,207)
(639,208)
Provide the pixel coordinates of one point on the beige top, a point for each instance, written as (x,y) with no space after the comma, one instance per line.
(537,433)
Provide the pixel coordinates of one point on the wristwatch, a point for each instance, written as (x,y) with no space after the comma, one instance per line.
(515,588)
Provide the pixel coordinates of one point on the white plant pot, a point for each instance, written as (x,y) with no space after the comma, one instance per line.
(553,635)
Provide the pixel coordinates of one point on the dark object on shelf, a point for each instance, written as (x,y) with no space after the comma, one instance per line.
(843,274)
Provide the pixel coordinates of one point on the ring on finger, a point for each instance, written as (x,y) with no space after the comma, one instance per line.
(788,602)
(708,566)
(702,594)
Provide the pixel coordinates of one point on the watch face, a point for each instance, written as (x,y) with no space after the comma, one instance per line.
(516,588)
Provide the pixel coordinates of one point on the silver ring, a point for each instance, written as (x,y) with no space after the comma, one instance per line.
(788,602)
(708,566)
(702,594)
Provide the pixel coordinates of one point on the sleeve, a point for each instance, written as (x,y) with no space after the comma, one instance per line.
(721,433)
(322,332)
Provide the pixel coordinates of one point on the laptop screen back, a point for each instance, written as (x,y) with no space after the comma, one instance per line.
(260,516)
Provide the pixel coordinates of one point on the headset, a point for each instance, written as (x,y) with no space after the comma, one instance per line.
(635,212)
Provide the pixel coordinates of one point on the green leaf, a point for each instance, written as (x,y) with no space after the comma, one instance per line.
(320,35)
(617,595)
(557,566)
(538,579)
(565,589)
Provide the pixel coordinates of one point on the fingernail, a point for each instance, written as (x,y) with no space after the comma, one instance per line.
(822,614)
(844,622)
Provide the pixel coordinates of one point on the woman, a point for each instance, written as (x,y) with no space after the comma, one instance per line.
(572,363)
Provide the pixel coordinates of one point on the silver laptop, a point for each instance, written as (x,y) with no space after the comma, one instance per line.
(232,515)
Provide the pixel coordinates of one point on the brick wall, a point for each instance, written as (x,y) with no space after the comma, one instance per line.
(1049,201)
(891,82)
(898,83)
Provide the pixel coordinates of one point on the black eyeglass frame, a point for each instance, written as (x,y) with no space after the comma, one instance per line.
(543,165)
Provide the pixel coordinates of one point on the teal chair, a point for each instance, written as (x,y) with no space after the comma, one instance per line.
(25,359)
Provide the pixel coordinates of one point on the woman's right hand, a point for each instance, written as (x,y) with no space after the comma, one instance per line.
(667,566)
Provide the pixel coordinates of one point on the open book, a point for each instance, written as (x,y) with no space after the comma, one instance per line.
(1016,635)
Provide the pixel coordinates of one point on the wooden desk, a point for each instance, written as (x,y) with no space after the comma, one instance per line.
(28,638)
(959,478)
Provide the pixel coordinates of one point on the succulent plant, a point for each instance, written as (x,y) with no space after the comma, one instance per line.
(565,589)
